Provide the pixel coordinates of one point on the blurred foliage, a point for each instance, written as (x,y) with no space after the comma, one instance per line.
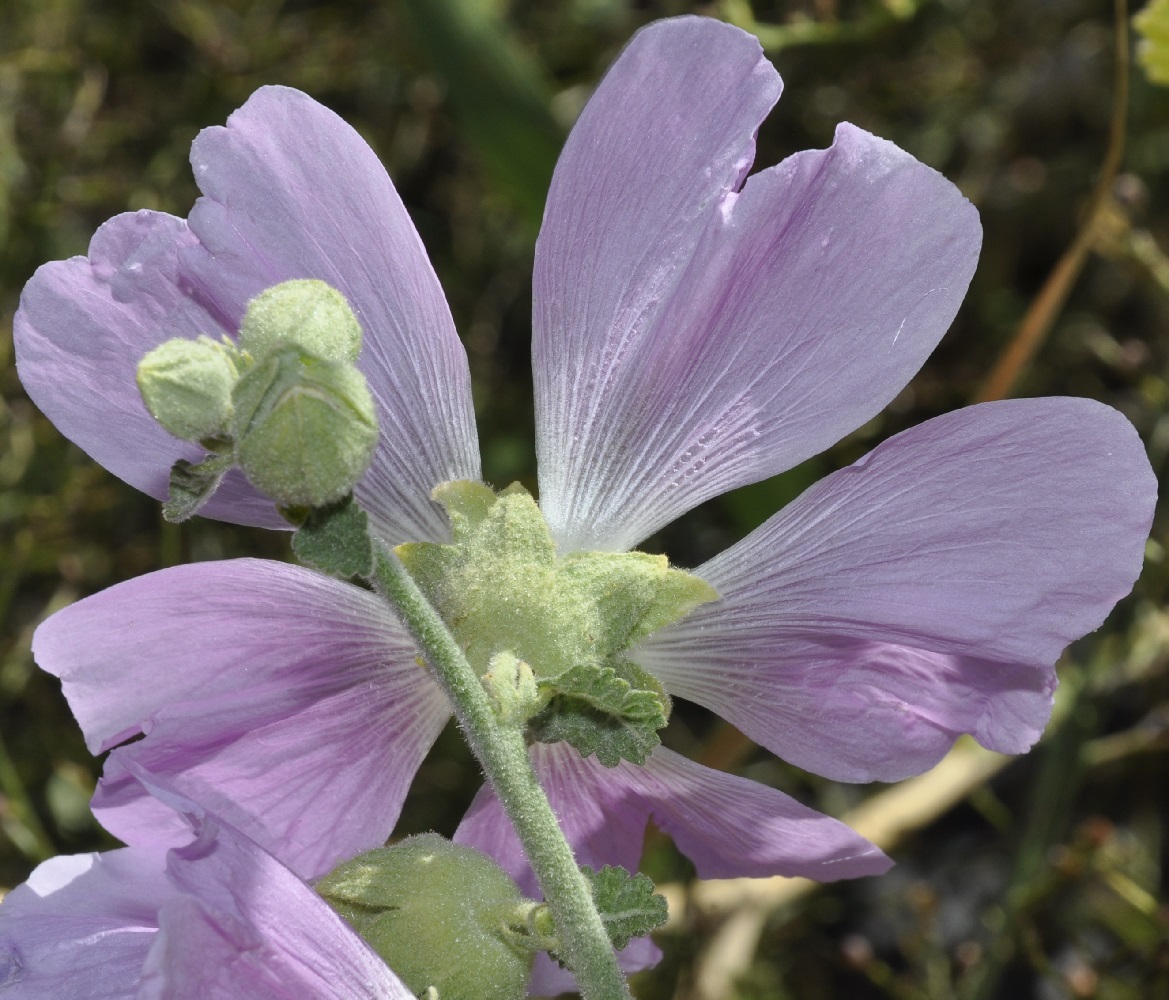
(1152,24)
(1050,881)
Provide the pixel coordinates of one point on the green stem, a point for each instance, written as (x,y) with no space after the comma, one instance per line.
(504,756)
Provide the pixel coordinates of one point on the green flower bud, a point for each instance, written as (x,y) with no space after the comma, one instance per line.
(305,313)
(304,428)
(186,385)
(443,916)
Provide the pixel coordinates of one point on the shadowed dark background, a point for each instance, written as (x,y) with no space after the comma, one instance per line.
(1044,880)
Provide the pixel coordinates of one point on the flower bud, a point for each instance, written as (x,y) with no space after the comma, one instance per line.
(186,385)
(304,428)
(443,916)
(305,313)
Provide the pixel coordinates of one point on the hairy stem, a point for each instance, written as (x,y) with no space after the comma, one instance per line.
(501,750)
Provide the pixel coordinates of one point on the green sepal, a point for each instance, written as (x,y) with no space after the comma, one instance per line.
(628,905)
(191,485)
(500,586)
(509,598)
(442,915)
(613,712)
(304,428)
(530,927)
(335,539)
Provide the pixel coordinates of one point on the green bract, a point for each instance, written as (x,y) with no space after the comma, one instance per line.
(304,428)
(441,915)
(305,313)
(508,598)
(186,385)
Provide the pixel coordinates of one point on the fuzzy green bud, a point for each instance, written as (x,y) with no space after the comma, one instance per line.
(187,384)
(305,313)
(443,916)
(305,428)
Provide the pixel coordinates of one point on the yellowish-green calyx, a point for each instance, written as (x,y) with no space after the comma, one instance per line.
(550,634)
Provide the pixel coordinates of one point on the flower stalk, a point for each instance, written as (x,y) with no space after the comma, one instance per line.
(501,750)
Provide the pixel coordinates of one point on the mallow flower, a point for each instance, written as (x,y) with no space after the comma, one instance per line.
(696,328)
(211,917)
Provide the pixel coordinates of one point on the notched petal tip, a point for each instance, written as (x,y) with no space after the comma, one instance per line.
(714,331)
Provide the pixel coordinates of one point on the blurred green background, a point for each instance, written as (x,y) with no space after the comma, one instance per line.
(1044,878)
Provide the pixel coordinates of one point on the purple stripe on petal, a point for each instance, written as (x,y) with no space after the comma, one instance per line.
(81,329)
(924,592)
(292,191)
(313,785)
(691,337)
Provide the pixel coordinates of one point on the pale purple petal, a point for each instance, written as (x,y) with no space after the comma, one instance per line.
(292,191)
(924,592)
(290,703)
(243,925)
(549,979)
(728,826)
(81,926)
(691,337)
(214,919)
(81,329)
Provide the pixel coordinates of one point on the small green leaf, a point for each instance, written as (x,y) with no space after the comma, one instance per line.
(602,712)
(335,539)
(628,905)
(191,486)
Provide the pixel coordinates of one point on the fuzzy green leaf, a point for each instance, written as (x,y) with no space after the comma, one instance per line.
(628,905)
(191,486)
(335,539)
(615,715)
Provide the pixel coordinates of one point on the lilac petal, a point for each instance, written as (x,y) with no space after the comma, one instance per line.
(81,926)
(728,826)
(292,191)
(288,702)
(691,337)
(549,979)
(924,592)
(81,329)
(245,926)
(214,919)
